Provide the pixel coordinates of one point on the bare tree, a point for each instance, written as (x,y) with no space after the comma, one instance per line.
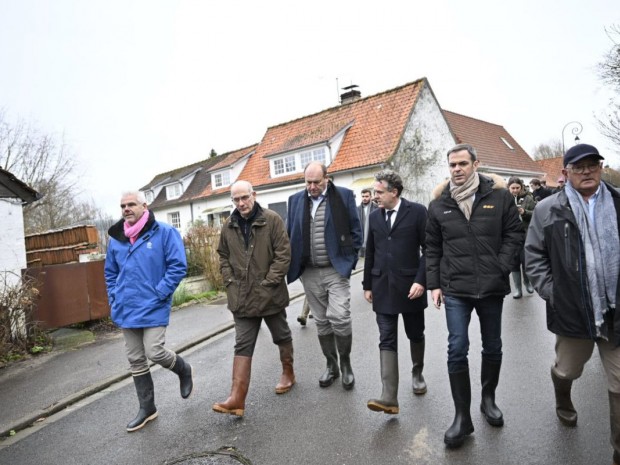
(46,163)
(609,72)
(551,149)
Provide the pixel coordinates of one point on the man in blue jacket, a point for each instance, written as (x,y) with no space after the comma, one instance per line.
(325,234)
(145,263)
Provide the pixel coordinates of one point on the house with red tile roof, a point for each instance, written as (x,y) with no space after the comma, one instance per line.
(404,129)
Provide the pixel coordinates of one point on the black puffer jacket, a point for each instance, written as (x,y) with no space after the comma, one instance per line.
(473,259)
(555,263)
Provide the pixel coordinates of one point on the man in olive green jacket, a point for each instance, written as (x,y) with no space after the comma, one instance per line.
(255,255)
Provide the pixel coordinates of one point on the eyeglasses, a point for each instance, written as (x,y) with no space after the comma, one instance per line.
(591,167)
(243,198)
(128,205)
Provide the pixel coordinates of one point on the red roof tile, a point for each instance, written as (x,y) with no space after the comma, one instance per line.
(376,127)
(552,167)
(487,140)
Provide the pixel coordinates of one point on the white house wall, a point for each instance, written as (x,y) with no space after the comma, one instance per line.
(421,156)
(12,242)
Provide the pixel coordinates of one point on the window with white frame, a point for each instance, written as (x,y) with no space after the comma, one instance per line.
(507,143)
(149,196)
(296,162)
(173,191)
(312,155)
(174,219)
(221,179)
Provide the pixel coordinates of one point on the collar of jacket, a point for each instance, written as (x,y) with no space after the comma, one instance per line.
(487,185)
(259,218)
(117,230)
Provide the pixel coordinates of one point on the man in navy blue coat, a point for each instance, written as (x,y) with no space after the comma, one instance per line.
(326,235)
(395,283)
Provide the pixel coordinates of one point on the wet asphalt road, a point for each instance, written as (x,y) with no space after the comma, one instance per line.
(311,425)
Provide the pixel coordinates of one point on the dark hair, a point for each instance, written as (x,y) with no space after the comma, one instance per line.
(365,190)
(535,181)
(469,148)
(516,180)
(393,180)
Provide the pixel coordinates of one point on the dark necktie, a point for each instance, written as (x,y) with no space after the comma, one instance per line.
(388,221)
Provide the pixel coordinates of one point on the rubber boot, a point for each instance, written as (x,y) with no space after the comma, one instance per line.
(563,403)
(388,402)
(528,284)
(461,395)
(303,317)
(185,372)
(146,398)
(288,375)
(614,417)
(516,277)
(417,358)
(235,404)
(489,378)
(328,345)
(344,350)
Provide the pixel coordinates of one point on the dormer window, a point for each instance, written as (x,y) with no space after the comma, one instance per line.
(173,191)
(221,179)
(149,196)
(296,162)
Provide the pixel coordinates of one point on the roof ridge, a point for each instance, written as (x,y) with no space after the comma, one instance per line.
(395,89)
(477,119)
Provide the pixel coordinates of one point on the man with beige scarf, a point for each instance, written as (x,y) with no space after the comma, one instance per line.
(473,239)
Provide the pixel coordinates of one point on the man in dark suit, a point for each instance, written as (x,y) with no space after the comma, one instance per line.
(364,209)
(325,236)
(395,283)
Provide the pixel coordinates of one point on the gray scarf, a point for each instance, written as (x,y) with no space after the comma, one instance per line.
(464,194)
(602,254)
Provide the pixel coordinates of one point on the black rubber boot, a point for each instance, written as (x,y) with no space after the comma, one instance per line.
(461,395)
(344,350)
(388,402)
(146,398)
(490,378)
(516,277)
(185,372)
(563,404)
(417,358)
(328,345)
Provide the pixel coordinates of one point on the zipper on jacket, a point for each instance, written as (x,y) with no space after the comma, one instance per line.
(567,246)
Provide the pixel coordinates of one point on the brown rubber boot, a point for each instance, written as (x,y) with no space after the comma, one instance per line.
(288,376)
(235,404)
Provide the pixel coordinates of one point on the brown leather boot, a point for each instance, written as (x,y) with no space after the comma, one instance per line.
(235,404)
(288,376)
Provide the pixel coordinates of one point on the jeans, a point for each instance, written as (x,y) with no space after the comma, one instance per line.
(458,316)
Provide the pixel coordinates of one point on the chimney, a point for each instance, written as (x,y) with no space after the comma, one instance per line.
(350,94)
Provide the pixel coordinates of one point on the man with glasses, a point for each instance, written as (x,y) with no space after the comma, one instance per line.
(572,254)
(145,262)
(254,255)
(326,236)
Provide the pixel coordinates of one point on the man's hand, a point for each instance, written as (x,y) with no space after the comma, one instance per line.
(417,290)
(368,296)
(437,297)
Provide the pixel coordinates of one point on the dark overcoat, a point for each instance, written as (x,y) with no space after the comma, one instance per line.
(395,259)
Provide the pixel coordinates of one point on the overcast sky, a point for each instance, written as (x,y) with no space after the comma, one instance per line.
(142,87)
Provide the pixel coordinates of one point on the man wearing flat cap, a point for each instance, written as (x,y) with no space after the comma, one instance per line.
(572,255)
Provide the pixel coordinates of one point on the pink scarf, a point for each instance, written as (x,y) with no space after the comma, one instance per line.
(132,231)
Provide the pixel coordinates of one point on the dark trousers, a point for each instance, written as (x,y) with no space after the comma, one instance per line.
(246,332)
(388,329)
(458,316)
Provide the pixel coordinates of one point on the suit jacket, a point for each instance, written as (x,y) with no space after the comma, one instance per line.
(360,212)
(344,263)
(395,259)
